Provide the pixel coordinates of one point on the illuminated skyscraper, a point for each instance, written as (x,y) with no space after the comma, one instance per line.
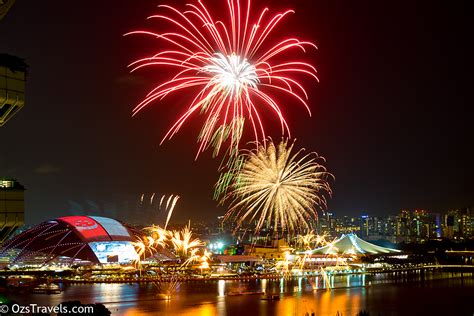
(12,86)
(12,207)
(12,77)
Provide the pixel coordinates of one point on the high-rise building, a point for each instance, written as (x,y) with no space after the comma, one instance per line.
(12,86)
(12,207)
(364,226)
(12,77)
(458,223)
(5,6)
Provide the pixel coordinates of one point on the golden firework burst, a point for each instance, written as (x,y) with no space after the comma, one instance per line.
(278,188)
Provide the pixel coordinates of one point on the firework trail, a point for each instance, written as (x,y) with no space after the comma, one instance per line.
(170,204)
(233,69)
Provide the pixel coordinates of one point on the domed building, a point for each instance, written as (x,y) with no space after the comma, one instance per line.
(90,238)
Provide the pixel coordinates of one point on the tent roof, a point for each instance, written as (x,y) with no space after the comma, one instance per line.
(351,244)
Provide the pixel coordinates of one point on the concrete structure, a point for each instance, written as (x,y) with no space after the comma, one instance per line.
(12,207)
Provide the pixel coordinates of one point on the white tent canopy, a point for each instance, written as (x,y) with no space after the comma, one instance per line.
(351,244)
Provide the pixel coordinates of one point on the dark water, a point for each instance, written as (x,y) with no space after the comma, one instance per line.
(388,294)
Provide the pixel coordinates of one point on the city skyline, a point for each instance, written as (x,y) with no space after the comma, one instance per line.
(387,114)
(220,157)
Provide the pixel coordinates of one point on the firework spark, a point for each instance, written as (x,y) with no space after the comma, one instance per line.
(193,257)
(142,246)
(233,69)
(278,187)
(307,240)
(183,241)
(159,235)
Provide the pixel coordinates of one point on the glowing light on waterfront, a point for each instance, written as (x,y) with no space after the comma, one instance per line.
(232,69)
(205,260)
(326,278)
(278,187)
(182,242)
(221,288)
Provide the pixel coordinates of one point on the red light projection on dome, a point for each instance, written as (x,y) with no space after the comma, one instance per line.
(87,227)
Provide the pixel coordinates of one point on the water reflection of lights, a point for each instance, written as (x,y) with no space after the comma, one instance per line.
(221,288)
(110,291)
(298,299)
(221,308)
(203,310)
(264,285)
(329,303)
(323,303)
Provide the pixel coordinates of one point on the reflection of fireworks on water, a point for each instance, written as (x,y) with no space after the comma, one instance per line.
(278,187)
(167,287)
(234,73)
(325,279)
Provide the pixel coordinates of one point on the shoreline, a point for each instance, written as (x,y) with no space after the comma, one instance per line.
(239,278)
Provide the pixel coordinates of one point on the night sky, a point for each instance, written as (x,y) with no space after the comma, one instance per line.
(390,113)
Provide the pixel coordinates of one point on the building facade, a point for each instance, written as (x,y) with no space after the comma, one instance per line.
(12,86)
(12,207)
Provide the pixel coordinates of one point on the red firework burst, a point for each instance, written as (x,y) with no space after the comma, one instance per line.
(230,67)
